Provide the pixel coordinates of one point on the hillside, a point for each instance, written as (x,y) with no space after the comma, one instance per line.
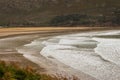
(44,12)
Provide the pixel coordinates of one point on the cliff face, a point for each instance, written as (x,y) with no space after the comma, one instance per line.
(40,12)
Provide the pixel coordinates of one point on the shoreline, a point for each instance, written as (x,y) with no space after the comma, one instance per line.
(24,37)
(11,32)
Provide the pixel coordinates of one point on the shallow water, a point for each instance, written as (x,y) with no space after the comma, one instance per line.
(94,53)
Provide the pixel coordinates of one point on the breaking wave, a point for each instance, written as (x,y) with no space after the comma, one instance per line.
(94,53)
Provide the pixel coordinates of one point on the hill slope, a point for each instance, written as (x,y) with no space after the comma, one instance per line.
(42,12)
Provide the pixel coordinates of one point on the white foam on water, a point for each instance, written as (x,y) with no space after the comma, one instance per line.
(74,42)
(103,62)
(91,34)
(109,49)
(33,43)
(111,32)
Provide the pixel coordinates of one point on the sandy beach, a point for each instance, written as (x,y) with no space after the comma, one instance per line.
(13,38)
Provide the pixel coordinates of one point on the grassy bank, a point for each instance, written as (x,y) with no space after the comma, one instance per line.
(11,71)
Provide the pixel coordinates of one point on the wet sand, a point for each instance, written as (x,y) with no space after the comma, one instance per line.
(12,38)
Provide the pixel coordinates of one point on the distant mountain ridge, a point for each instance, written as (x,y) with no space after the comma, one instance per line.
(41,12)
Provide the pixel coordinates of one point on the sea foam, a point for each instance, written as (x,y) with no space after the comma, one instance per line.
(101,62)
(88,52)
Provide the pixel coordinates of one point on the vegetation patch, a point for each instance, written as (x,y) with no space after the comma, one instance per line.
(14,72)
(112,19)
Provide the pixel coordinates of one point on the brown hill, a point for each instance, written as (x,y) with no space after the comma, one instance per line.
(42,12)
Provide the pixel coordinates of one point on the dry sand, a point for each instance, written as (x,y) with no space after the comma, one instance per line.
(11,38)
(6,32)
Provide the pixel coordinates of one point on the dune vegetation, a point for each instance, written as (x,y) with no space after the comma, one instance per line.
(11,71)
